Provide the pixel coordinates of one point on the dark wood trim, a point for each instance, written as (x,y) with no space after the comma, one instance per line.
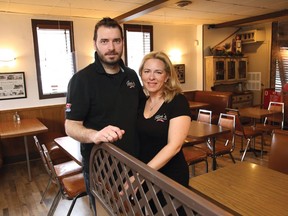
(140,11)
(264,17)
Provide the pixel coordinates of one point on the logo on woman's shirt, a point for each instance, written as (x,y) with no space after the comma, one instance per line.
(160,118)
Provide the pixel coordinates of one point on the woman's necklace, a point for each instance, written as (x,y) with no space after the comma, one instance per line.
(151,107)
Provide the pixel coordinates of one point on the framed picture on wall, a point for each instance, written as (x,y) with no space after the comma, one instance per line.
(180,70)
(12,85)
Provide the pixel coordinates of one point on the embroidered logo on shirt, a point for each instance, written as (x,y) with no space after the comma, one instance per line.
(130,84)
(160,118)
(68,107)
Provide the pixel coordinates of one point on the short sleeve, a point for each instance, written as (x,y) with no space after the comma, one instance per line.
(180,106)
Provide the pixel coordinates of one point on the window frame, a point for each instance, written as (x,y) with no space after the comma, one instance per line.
(50,24)
(278,79)
(137,28)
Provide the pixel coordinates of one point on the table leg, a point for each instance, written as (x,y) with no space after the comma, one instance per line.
(214,163)
(27,157)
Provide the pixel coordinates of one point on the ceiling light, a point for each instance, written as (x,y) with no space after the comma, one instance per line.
(183,3)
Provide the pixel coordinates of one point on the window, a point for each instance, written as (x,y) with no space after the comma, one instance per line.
(54,56)
(281,76)
(279,66)
(139,42)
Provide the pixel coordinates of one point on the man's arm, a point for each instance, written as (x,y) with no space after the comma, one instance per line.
(77,131)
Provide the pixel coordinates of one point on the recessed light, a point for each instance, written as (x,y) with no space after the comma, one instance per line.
(183,3)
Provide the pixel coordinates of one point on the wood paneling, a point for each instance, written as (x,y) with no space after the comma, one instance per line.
(52,116)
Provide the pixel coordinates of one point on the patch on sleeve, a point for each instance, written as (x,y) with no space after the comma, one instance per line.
(68,107)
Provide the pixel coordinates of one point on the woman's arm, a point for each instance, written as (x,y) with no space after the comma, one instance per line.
(177,132)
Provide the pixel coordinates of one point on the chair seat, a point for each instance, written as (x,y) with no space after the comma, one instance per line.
(220,149)
(249,132)
(67,169)
(193,155)
(268,128)
(74,185)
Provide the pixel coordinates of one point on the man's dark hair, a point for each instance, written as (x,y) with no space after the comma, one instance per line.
(107,22)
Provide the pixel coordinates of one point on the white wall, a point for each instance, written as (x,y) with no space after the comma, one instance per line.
(167,38)
(16,34)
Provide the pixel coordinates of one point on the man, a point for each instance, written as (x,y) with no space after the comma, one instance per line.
(103,98)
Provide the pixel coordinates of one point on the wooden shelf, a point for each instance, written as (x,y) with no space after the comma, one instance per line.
(251,36)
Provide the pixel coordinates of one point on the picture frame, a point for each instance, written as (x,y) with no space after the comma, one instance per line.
(12,85)
(180,70)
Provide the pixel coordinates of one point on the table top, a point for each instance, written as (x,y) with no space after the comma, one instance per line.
(203,130)
(256,112)
(25,127)
(197,105)
(71,147)
(246,188)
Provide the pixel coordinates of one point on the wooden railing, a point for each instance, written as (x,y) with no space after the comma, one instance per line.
(126,186)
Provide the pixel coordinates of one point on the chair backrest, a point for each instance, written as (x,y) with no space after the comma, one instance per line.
(278,117)
(43,158)
(204,116)
(238,123)
(227,121)
(278,158)
(50,165)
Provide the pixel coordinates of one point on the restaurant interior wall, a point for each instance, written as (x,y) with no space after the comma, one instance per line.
(16,34)
(258,53)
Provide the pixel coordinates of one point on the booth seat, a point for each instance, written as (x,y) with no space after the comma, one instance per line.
(218,101)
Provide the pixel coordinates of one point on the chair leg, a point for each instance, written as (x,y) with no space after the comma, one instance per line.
(262,145)
(74,201)
(72,206)
(246,148)
(193,169)
(55,203)
(232,158)
(206,162)
(46,189)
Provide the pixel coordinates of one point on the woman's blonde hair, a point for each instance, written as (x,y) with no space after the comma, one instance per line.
(172,86)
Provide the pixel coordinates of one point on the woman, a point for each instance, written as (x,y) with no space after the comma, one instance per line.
(164,118)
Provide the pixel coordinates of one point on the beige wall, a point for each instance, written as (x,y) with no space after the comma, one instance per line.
(16,34)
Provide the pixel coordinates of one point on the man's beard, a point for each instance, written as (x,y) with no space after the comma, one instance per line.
(106,60)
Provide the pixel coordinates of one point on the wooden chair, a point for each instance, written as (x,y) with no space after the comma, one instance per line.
(55,152)
(65,169)
(70,187)
(203,116)
(249,133)
(278,158)
(275,121)
(192,154)
(225,144)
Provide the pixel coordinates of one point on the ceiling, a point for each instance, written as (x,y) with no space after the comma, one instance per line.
(158,11)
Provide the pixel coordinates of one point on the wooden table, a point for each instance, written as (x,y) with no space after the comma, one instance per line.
(197,105)
(246,188)
(200,130)
(71,147)
(23,128)
(256,113)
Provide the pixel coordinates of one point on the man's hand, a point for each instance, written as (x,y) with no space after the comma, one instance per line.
(108,134)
